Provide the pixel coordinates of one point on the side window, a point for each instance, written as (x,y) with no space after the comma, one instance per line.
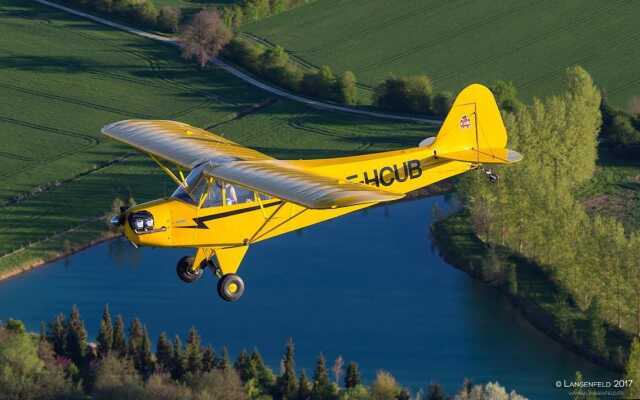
(232,194)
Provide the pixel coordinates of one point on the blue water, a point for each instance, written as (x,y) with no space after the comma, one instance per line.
(367,286)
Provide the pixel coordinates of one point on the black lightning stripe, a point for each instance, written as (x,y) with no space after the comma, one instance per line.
(200,221)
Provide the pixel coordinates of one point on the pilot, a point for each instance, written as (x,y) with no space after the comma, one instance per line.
(230,194)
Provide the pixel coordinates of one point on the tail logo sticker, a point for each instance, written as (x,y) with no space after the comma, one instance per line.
(465,122)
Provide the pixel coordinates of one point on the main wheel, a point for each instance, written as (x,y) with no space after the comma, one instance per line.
(230,287)
(183,268)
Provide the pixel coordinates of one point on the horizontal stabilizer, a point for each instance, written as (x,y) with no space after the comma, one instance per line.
(484,156)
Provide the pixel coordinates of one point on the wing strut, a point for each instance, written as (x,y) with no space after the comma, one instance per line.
(170,173)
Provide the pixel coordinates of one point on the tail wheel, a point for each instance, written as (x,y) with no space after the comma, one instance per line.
(230,287)
(183,268)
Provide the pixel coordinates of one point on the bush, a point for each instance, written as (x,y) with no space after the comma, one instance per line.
(441,103)
(117,379)
(169,19)
(144,12)
(407,94)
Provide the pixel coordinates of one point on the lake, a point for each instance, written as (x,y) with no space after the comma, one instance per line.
(367,286)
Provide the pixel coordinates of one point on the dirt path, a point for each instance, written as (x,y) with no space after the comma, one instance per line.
(245,77)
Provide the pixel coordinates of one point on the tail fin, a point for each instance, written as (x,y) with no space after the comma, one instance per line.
(473,130)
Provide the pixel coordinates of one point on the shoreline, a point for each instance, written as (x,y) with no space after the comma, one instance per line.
(540,318)
(37,263)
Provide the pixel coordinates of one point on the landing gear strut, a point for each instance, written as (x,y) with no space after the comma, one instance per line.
(230,287)
(185,272)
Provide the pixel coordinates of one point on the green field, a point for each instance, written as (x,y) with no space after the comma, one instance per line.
(458,42)
(62,78)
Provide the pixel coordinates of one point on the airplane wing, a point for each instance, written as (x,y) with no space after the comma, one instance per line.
(179,143)
(283,180)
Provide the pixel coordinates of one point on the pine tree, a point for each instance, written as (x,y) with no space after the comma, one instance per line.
(57,335)
(164,352)
(287,384)
(260,371)
(224,363)
(105,335)
(144,357)
(193,352)
(208,359)
(76,337)
(352,378)
(136,336)
(178,361)
(321,384)
(243,366)
(435,392)
(119,345)
(632,370)
(305,388)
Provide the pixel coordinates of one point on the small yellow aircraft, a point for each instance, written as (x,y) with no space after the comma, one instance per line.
(234,196)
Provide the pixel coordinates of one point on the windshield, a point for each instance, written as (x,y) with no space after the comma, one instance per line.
(196,184)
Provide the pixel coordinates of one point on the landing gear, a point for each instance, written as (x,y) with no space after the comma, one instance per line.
(230,287)
(185,273)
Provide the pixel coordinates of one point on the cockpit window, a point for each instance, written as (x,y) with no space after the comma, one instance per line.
(212,192)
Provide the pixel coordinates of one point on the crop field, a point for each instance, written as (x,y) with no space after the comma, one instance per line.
(529,42)
(62,78)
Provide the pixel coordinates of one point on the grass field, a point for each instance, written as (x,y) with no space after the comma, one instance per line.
(62,78)
(529,42)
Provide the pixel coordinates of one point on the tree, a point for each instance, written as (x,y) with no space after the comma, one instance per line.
(204,37)
(596,332)
(224,362)
(506,95)
(57,335)
(384,387)
(243,366)
(287,384)
(144,12)
(305,388)
(193,352)
(441,103)
(321,384)
(117,378)
(164,352)
(263,374)
(136,336)
(169,19)
(352,377)
(404,394)
(347,90)
(21,366)
(408,94)
(144,357)
(105,335)
(178,361)
(76,337)
(208,359)
(337,369)
(632,370)
(119,343)
(218,385)
(435,392)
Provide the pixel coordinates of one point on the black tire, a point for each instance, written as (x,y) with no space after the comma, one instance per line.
(183,270)
(230,287)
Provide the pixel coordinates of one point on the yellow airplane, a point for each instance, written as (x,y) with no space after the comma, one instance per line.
(234,196)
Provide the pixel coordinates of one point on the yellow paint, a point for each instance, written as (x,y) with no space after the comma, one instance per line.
(472,133)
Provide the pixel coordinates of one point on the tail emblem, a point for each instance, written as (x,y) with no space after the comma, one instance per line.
(465,122)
